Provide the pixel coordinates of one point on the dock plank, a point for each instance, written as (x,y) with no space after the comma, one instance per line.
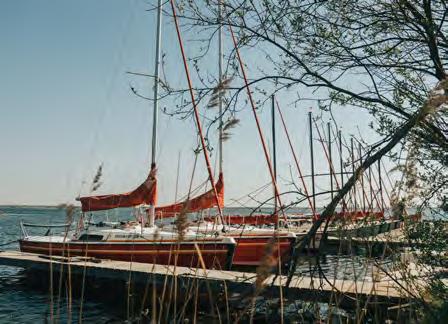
(393,238)
(301,287)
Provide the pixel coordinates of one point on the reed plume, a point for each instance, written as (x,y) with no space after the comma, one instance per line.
(69,210)
(230,124)
(96,182)
(268,261)
(218,92)
(182,222)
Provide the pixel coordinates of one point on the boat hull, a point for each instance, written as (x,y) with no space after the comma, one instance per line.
(255,250)
(214,255)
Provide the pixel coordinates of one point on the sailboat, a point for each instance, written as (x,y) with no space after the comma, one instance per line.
(137,242)
(253,245)
(251,241)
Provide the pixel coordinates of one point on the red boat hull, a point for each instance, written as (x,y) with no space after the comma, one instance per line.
(251,250)
(213,255)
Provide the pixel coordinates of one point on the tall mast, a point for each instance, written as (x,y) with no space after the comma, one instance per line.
(257,122)
(156,83)
(177,177)
(196,113)
(274,149)
(371,190)
(380,185)
(313,188)
(341,163)
(296,160)
(156,99)
(362,179)
(341,159)
(330,159)
(220,63)
(353,172)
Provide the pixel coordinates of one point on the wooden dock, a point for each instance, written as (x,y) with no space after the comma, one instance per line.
(391,239)
(383,291)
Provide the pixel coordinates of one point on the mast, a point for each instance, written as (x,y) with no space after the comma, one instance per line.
(341,162)
(313,188)
(380,185)
(330,159)
(296,160)
(156,84)
(362,179)
(341,159)
(196,113)
(156,98)
(220,63)
(177,176)
(330,162)
(257,122)
(274,149)
(353,172)
(371,190)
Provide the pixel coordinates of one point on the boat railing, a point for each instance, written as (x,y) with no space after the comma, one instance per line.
(23,227)
(106,224)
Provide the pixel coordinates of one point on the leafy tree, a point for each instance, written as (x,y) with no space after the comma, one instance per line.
(382,56)
(387,57)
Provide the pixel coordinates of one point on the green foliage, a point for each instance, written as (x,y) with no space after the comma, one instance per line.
(430,239)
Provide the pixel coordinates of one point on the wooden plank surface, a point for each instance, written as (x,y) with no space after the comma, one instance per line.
(392,238)
(300,287)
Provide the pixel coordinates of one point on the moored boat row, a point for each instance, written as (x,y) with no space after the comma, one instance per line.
(219,241)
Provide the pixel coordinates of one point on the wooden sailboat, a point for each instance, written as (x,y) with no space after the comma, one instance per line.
(138,243)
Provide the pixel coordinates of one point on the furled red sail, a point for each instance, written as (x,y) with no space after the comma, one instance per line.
(146,193)
(204,201)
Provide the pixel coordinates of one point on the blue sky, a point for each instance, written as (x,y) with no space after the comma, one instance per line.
(66,107)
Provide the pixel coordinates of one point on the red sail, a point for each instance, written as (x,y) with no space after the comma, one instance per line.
(146,193)
(204,201)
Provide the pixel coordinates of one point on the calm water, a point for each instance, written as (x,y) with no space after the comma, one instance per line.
(20,303)
(23,304)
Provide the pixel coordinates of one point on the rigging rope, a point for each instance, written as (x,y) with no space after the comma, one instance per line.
(377,184)
(260,133)
(8,243)
(329,163)
(296,160)
(196,113)
(364,194)
(343,167)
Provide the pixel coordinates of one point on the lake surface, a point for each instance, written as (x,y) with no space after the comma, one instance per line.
(21,303)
